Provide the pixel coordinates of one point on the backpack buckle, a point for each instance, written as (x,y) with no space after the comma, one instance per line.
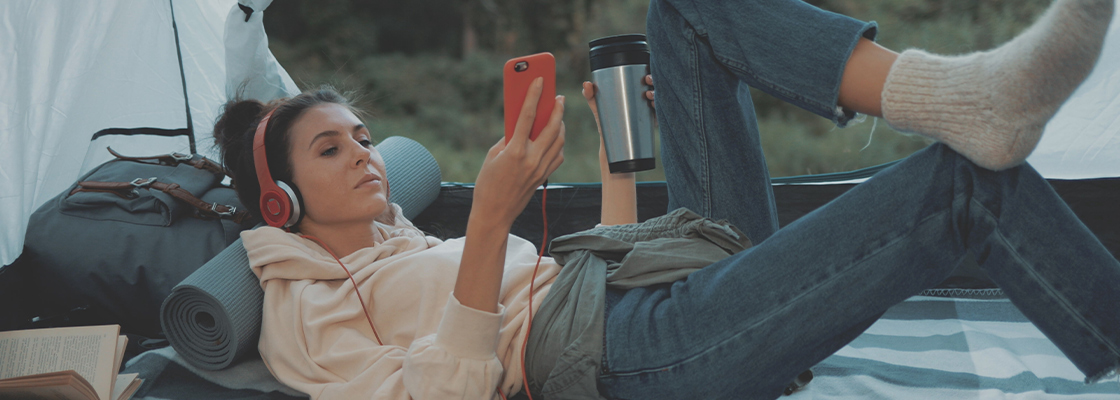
(140,183)
(180,157)
(228,213)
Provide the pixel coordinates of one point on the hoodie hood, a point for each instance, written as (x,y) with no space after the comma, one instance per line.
(276,254)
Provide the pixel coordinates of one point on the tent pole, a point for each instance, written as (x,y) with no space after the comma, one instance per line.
(183,77)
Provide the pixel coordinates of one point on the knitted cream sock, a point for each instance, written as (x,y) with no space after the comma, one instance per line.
(991,106)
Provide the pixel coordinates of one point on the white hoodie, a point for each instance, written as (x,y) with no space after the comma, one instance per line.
(315,338)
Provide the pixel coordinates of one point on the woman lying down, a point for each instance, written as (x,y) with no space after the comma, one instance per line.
(703,313)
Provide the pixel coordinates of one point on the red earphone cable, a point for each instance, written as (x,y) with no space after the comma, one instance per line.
(525,342)
(544,244)
(356,291)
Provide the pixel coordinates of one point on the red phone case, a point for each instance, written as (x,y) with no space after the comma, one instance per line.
(516,84)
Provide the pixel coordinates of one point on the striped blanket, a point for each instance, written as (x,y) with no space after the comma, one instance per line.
(924,348)
(952,348)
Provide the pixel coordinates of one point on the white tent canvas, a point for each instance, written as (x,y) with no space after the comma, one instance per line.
(72,69)
(1083,140)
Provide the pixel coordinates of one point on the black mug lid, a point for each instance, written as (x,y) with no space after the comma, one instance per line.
(627,38)
(612,51)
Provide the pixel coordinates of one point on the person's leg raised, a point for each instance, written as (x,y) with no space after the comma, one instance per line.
(704,56)
(710,145)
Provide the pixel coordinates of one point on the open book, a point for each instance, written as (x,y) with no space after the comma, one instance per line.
(65,363)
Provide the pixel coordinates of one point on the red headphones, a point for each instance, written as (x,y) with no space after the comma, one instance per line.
(281,205)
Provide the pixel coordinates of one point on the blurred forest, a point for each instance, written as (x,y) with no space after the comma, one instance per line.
(431,70)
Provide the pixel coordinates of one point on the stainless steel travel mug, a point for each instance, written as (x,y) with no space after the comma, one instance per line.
(618,64)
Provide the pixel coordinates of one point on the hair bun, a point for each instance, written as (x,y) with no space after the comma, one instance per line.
(236,121)
(233,132)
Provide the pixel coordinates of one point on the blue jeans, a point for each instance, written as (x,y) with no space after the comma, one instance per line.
(743,327)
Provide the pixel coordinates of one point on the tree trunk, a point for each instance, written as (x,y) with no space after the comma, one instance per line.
(470,35)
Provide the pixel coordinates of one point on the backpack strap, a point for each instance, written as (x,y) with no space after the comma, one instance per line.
(128,190)
(173,159)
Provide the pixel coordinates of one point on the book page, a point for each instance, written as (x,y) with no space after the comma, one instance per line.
(122,343)
(52,385)
(126,384)
(49,392)
(88,350)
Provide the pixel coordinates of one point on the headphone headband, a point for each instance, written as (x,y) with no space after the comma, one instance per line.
(277,202)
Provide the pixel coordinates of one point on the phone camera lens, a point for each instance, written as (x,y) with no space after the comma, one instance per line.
(521,66)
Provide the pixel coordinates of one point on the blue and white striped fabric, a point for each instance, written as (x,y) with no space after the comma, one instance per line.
(952,348)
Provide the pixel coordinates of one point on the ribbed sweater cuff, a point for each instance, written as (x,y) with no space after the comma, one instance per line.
(467,332)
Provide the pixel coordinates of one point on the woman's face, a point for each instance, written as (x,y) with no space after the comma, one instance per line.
(338,172)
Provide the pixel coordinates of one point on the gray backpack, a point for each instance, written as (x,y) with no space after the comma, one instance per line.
(117,241)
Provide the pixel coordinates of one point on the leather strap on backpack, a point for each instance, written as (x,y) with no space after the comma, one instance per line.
(173,159)
(128,190)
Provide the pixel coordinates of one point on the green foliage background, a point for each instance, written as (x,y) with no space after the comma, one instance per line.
(431,70)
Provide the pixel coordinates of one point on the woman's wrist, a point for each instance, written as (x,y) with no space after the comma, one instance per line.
(483,262)
(484,226)
(489,217)
(620,204)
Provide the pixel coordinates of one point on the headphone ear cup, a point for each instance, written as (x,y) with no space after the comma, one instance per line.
(298,216)
(295,202)
(275,205)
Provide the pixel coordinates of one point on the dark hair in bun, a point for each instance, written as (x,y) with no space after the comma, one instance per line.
(237,124)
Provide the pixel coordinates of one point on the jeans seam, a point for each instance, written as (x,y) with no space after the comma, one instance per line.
(1061,300)
(698,113)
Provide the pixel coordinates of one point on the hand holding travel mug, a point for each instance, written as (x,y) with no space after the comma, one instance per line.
(618,64)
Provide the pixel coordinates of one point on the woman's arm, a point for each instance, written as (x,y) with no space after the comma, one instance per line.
(509,177)
(620,197)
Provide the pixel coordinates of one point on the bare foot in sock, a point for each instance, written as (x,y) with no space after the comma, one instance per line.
(991,106)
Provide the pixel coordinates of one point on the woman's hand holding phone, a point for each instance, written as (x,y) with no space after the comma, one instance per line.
(509,176)
(512,171)
(534,137)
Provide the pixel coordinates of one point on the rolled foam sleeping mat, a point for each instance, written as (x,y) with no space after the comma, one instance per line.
(213,317)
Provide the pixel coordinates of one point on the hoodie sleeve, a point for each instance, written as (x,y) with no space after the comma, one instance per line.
(459,361)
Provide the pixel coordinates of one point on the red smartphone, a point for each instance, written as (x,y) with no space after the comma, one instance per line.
(517,75)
